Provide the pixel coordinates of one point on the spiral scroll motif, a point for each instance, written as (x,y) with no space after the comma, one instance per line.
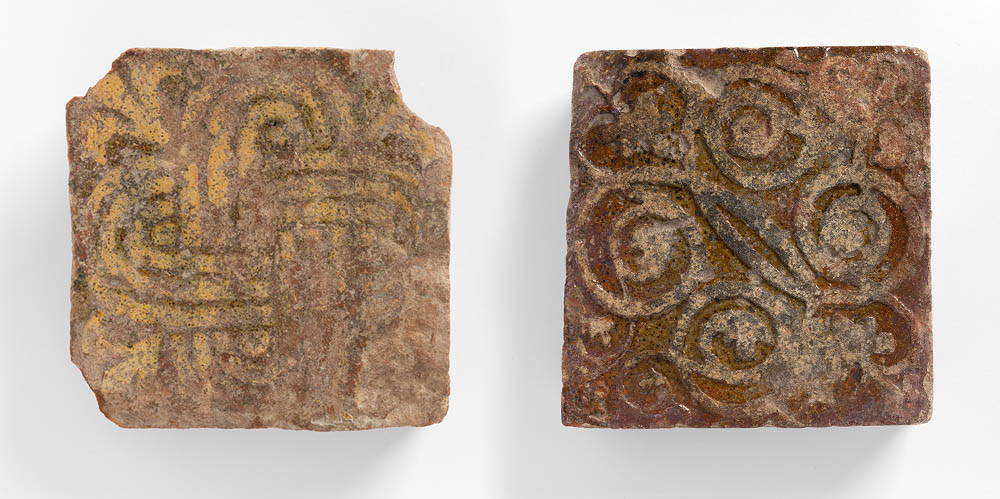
(760,138)
(726,339)
(860,229)
(646,253)
(747,261)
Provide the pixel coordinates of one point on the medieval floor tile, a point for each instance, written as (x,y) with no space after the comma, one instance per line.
(748,236)
(260,239)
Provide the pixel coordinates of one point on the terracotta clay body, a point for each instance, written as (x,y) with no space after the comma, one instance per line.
(260,239)
(748,236)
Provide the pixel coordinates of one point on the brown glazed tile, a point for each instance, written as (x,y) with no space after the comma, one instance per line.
(748,236)
(260,239)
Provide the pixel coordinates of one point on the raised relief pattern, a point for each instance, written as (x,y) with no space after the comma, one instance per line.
(749,239)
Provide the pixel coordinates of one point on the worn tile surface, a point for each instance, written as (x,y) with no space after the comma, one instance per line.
(260,239)
(748,237)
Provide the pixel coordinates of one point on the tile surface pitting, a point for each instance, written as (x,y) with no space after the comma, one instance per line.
(748,237)
(260,239)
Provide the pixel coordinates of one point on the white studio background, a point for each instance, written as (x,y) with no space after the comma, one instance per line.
(496,77)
